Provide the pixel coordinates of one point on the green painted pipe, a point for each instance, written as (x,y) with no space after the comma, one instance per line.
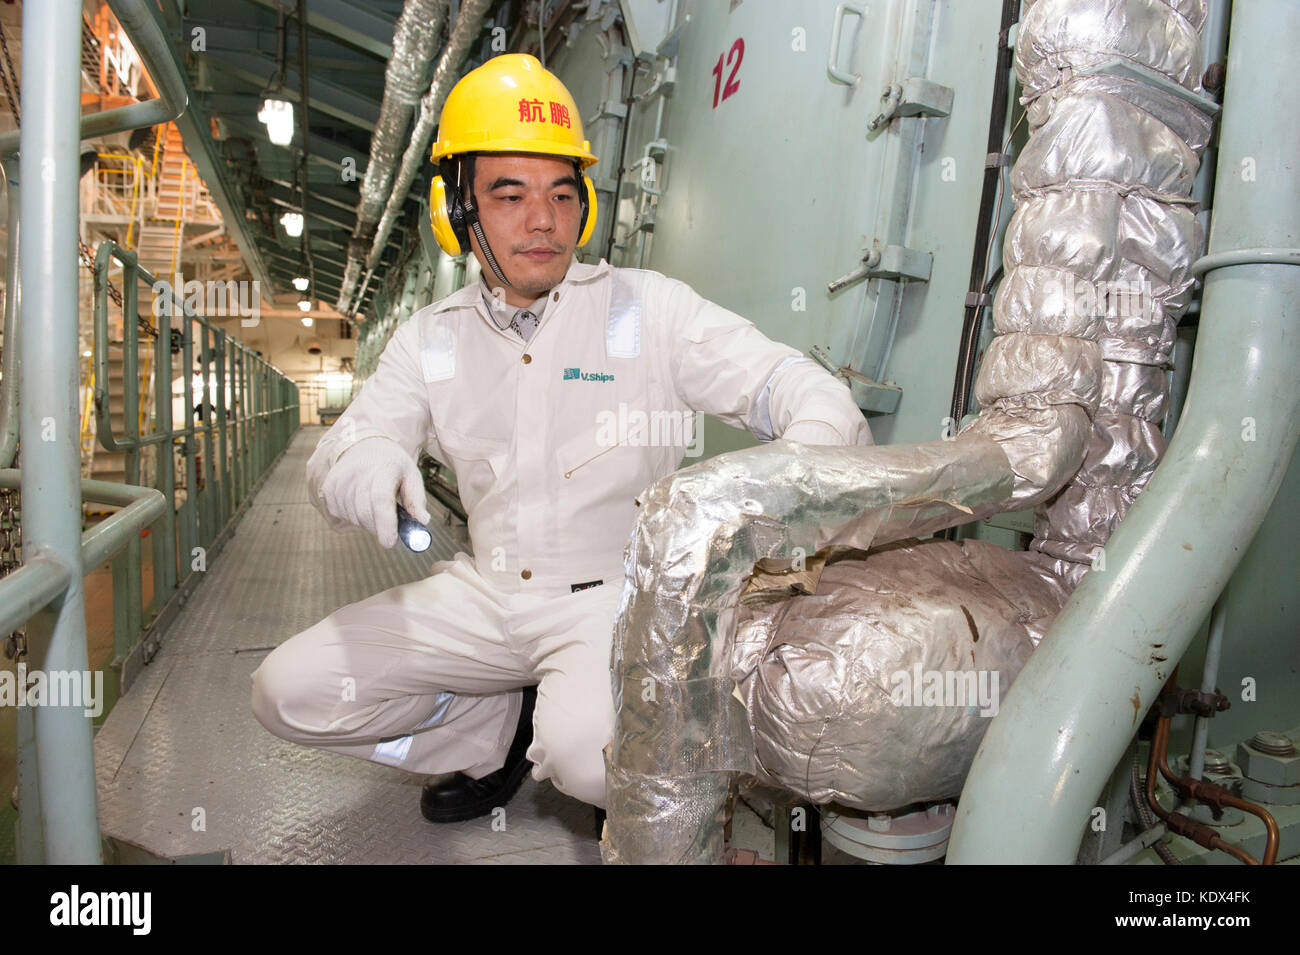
(9,380)
(1076,705)
(51,82)
(34,585)
(30,589)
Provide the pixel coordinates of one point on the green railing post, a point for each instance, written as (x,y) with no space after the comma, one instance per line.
(127,590)
(238,401)
(208,526)
(30,842)
(9,386)
(259,456)
(164,536)
(224,506)
(245,449)
(189,517)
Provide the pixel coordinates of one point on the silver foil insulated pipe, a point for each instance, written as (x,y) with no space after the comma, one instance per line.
(1071,379)
(415,40)
(397,182)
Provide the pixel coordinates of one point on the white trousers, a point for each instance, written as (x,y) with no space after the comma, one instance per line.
(426,677)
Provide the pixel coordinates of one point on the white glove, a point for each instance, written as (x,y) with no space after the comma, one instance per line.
(363,487)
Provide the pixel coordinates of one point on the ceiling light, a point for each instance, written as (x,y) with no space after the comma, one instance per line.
(304,305)
(301,283)
(306,320)
(277,114)
(292,222)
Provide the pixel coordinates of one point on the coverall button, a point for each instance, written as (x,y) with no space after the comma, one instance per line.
(526,574)
(555,297)
(527,358)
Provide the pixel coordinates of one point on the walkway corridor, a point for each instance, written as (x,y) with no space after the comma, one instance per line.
(185,770)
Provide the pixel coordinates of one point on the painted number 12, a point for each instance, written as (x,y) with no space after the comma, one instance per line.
(736,52)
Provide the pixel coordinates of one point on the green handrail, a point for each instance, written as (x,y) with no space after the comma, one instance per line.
(245,426)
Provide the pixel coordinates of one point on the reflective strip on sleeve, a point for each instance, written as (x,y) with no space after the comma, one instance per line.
(761,419)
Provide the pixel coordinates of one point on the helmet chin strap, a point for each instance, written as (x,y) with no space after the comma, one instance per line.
(471,219)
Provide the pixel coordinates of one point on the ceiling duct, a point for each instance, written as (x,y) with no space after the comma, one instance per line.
(463,34)
(415,39)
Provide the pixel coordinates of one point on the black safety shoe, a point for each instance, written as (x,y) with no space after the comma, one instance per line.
(460,797)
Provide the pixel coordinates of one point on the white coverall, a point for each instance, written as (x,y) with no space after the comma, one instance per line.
(551,441)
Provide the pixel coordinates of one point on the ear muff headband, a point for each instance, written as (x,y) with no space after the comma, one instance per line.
(450,228)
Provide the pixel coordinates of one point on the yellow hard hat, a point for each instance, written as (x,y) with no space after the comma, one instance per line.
(511,104)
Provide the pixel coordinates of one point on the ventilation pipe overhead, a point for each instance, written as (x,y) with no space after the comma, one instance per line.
(468,25)
(415,39)
(469,22)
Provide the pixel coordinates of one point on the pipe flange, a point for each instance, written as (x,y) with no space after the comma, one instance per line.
(905,839)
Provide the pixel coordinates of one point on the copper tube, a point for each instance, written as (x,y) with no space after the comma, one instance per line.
(1187,786)
(1158,763)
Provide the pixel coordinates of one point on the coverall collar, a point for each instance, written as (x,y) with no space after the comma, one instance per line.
(471,296)
(537,306)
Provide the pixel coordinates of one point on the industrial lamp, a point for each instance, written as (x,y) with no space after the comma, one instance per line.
(301,283)
(292,222)
(277,114)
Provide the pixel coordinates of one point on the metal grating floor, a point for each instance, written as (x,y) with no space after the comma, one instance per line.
(183,768)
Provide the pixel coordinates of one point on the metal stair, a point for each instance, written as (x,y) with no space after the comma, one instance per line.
(159,247)
(160,244)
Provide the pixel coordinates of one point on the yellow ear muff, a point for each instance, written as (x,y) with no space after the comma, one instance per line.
(441,216)
(590,225)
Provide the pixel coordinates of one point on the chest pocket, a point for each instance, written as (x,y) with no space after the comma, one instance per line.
(479,462)
(627,445)
(637,433)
